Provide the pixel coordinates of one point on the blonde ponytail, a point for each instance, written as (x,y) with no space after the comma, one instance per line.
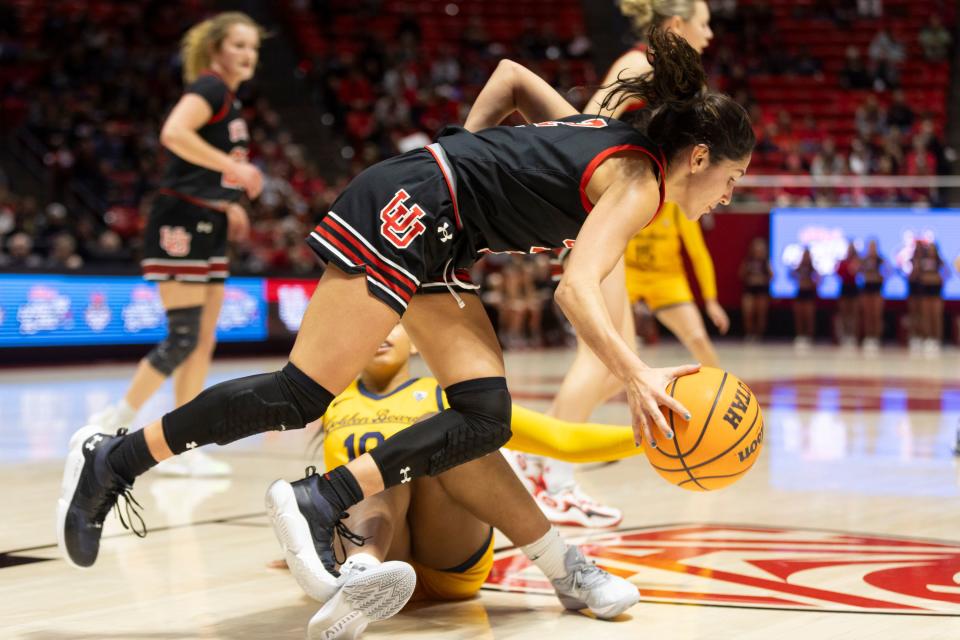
(645,13)
(199,43)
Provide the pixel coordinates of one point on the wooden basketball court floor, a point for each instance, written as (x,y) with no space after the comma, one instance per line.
(848,526)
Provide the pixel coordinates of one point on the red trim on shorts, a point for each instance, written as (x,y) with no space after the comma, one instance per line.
(453,194)
(371,257)
(175,270)
(606,153)
(370,269)
(191,199)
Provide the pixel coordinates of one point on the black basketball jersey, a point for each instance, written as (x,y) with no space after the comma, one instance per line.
(226,130)
(524,188)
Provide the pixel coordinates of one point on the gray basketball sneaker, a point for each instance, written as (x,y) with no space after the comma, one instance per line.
(587,586)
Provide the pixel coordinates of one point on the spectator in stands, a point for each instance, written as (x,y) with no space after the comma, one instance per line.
(848,304)
(871,296)
(871,118)
(20,253)
(860,157)
(108,250)
(920,162)
(870,8)
(755,274)
(828,161)
(886,54)
(928,132)
(63,254)
(935,40)
(854,74)
(805,304)
(899,113)
(805,64)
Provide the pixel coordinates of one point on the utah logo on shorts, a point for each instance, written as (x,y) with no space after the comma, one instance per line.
(175,241)
(401,225)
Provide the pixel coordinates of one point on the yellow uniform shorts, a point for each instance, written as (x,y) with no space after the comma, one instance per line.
(458,583)
(658,290)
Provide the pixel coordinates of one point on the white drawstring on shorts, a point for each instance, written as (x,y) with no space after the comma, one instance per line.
(464,285)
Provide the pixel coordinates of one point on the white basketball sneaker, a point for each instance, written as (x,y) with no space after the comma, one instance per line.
(193,464)
(113,417)
(528,467)
(369,591)
(587,586)
(572,507)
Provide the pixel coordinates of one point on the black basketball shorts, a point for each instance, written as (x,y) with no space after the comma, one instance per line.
(398,224)
(185,240)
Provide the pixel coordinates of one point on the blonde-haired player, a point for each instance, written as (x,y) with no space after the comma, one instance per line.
(437,532)
(194,214)
(653,271)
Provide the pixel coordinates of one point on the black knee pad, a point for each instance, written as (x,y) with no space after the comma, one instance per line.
(183,333)
(486,409)
(477,423)
(232,410)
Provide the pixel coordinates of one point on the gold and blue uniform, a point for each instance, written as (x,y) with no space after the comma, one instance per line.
(358,420)
(654,264)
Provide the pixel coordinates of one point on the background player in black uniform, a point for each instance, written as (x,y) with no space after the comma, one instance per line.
(193,215)
(404,227)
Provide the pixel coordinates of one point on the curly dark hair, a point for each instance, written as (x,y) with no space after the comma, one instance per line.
(680,112)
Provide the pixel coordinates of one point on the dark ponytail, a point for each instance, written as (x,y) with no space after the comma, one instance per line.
(680,112)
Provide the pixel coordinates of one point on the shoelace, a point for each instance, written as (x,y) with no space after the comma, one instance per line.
(111,499)
(339,528)
(130,505)
(589,574)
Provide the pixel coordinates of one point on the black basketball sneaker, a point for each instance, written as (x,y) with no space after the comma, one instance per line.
(305,525)
(89,490)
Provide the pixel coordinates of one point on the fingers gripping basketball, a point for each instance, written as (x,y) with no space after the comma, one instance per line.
(720,442)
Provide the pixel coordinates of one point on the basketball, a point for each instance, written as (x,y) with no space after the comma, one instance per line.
(721,441)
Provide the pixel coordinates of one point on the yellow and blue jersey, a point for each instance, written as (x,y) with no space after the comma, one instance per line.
(654,262)
(358,419)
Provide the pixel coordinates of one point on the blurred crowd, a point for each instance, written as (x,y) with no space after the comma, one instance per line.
(107,82)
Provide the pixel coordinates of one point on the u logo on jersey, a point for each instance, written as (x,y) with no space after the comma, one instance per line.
(175,241)
(401,224)
(237,130)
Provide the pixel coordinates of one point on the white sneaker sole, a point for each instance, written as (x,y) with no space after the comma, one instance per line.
(293,533)
(68,486)
(377,594)
(605,613)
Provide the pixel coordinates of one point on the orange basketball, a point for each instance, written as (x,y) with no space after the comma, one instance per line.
(722,439)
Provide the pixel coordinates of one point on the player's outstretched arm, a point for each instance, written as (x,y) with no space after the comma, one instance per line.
(513,87)
(542,435)
(623,208)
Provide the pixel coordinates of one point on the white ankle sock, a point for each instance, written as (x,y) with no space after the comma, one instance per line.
(362,558)
(548,554)
(126,414)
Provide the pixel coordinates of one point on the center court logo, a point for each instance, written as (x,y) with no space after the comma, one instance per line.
(765,567)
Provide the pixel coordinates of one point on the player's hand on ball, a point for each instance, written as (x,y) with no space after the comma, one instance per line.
(238,224)
(646,393)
